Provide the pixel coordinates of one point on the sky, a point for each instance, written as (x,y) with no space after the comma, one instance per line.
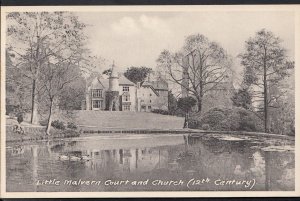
(137,38)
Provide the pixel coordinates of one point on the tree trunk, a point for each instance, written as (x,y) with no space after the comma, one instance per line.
(49,119)
(34,105)
(199,105)
(186,120)
(266,119)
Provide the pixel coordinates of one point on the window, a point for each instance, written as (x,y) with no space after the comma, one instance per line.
(97,93)
(97,104)
(126,97)
(126,107)
(150,94)
(150,101)
(125,88)
(149,107)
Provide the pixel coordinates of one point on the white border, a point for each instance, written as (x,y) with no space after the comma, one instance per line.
(295,8)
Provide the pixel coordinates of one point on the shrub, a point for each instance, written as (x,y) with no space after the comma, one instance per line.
(43,122)
(194,123)
(20,118)
(205,126)
(214,118)
(159,111)
(72,125)
(58,124)
(10,109)
(235,119)
(71,133)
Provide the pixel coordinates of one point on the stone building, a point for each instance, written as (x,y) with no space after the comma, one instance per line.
(117,93)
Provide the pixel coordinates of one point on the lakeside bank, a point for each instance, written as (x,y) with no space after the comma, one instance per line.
(38,133)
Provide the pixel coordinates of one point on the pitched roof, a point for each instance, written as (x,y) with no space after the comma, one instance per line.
(160,85)
(99,83)
(124,81)
(148,84)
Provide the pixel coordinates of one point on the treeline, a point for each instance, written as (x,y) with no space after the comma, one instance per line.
(264,99)
(47,66)
(46,59)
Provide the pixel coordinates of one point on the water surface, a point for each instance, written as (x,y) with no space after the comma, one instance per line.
(155,162)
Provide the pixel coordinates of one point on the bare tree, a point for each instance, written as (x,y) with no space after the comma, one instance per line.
(266,64)
(201,66)
(55,78)
(38,37)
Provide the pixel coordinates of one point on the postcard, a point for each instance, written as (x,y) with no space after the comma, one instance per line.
(149,101)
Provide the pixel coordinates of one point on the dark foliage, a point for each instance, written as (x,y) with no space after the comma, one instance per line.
(159,111)
(172,103)
(242,98)
(137,74)
(72,125)
(58,125)
(20,118)
(235,119)
(107,72)
(186,103)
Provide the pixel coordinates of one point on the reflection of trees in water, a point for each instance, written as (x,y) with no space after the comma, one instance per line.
(219,158)
(280,170)
(272,170)
(58,147)
(205,157)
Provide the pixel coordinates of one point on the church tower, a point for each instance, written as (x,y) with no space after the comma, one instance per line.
(113,90)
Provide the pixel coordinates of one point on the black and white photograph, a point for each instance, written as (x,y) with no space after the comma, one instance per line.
(156,100)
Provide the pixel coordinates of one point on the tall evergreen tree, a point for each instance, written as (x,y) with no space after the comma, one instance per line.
(265,65)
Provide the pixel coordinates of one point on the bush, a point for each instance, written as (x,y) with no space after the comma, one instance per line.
(205,126)
(159,111)
(20,118)
(11,110)
(235,119)
(58,124)
(213,118)
(194,124)
(71,133)
(72,125)
(43,122)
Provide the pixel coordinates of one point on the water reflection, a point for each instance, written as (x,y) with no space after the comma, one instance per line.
(188,157)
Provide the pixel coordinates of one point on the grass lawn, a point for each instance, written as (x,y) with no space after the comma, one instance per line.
(127,120)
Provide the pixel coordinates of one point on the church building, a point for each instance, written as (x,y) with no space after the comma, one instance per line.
(117,93)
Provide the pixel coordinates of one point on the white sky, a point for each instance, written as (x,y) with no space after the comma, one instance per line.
(136,39)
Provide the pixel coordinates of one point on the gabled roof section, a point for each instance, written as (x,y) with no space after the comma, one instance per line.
(160,85)
(99,83)
(148,84)
(124,81)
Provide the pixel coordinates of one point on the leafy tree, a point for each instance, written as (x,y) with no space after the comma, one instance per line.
(39,37)
(242,98)
(55,79)
(17,87)
(172,102)
(186,104)
(282,115)
(74,93)
(137,74)
(107,72)
(201,66)
(266,64)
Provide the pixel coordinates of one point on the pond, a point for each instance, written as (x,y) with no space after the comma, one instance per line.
(123,162)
